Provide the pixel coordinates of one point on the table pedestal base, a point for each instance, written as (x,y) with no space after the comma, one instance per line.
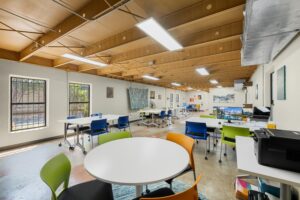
(138,190)
(285,192)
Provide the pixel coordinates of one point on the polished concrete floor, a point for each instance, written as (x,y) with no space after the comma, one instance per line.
(19,169)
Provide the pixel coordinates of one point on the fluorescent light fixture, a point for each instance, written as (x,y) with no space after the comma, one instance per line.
(219,86)
(202,71)
(176,84)
(158,33)
(189,88)
(150,78)
(85,60)
(213,81)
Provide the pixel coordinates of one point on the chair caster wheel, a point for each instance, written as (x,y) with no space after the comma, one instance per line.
(208,151)
(197,141)
(206,158)
(71,148)
(215,145)
(217,141)
(233,148)
(84,152)
(225,154)
(220,161)
(59,144)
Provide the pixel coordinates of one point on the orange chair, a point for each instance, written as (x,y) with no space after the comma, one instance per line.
(187,143)
(190,194)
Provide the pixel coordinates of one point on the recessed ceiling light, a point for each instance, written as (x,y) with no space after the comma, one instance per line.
(189,88)
(85,60)
(158,33)
(202,71)
(176,84)
(150,77)
(213,81)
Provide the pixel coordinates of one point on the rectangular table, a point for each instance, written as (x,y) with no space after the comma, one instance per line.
(247,163)
(152,112)
(218,123)
(83,121)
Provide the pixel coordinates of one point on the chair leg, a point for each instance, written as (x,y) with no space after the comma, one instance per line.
(221,153)
(206,149)
(208,144)
(225,154)
(92,142)
(195,177)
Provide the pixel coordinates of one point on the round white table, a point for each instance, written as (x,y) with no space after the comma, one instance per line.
(136,161)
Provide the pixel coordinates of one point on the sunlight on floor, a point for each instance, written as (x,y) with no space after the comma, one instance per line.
(16,151)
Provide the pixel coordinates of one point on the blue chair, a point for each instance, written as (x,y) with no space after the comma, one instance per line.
(97,127)
(98,114)
(162,116)
(169,117)
(123,123)
(198,131)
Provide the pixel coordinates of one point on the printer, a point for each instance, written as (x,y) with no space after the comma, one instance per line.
(278,148)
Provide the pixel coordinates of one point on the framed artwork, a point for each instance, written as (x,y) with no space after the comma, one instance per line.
(152,94)
(229,98)
(159,96)
(191,100)
(199,97)
(177,98)
(281,83)
(109,92)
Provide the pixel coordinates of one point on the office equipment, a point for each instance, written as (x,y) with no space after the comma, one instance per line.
(56,172)
(228,113)
(278,148)
(198,131)
(247,163)
(130,162)
(262,113)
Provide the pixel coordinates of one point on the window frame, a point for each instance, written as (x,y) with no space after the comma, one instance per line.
(10,104)
(90,95)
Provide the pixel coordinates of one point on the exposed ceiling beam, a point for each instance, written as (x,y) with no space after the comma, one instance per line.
(174,20)
(91,10)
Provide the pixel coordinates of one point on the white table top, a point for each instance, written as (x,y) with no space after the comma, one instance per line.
(152,111)
(247,163)
(218,123)
(136,161)
(88,120)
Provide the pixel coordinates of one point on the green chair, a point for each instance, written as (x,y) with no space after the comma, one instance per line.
(57,172)
(228,137)
(209,116)
(104,138)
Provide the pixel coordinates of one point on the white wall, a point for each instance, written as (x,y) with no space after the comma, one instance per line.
(58,102)
(285,112)
(207,98)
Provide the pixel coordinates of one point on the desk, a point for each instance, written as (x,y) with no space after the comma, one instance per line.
(136,161)
(81,122)
(218,123)
(247,163)
(152,112)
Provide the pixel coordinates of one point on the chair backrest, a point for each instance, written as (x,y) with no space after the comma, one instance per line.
(98,114)
(123,120)
(209,116)
(190,194)
(196,128)
(162,114)
(184,141)
(169,112)
(104,138)
(230,132)
(56,172)
(98,125)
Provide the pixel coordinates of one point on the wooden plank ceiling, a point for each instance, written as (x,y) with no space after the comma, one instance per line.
(40,32)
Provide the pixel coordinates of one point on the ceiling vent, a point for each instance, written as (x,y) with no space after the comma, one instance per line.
(269,26)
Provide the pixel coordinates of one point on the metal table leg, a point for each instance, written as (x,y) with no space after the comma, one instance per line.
(285,191)
(81,146)
(66,141)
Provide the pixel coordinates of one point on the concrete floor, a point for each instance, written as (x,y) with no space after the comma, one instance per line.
(19,169)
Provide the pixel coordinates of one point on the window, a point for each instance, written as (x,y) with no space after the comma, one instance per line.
(79,99)
(27,103)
